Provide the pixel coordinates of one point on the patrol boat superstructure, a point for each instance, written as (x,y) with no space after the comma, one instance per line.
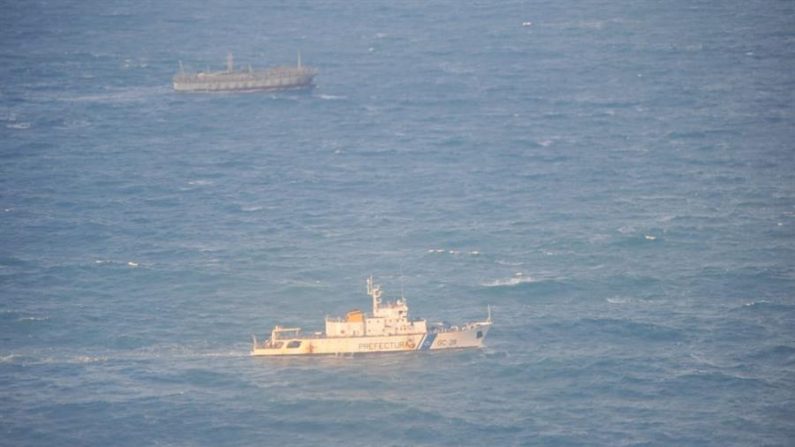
(277,78)
(388,329)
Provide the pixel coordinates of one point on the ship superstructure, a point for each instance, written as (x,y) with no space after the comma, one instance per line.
(276,78)
(387,329)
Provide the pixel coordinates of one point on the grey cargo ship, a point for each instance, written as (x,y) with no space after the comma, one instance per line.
(276,78)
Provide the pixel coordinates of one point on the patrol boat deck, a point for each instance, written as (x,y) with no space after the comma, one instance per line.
(387,329)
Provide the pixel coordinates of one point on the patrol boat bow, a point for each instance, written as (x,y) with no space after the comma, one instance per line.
(387,329)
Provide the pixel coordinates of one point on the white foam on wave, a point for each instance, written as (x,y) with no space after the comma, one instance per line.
(126,95)
(453,252)
(179,352)
(223,354)
(756,303)
(51,360)
(8,358)
(148,353)
(546,142)
(74,124)
(332,97)
(88,359)
(33,319)
(455,68)
(517,279)
(8,116)
(18,126)
(69,359)
(117,263)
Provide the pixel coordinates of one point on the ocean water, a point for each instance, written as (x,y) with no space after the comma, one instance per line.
(616,179)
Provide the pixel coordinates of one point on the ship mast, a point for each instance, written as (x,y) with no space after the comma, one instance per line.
(375,292)
(230,62)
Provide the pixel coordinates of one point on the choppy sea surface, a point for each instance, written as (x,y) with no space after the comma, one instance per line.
(615,178)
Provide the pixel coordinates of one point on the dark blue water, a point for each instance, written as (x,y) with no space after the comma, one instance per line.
(615,179)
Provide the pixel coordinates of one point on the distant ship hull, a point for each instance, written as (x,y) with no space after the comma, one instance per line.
(471,336)
(243,81)
(277,78)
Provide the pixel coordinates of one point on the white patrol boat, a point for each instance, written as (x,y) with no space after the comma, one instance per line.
(388,329)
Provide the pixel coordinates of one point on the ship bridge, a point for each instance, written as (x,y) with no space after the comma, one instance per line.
(388,318)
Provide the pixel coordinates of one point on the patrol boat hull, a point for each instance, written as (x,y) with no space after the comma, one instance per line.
(387,329)
(456,339)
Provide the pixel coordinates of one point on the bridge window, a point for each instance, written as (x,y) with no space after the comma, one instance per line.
(480,335)
(294,344)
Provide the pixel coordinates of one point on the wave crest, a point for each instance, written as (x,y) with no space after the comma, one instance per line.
(513,281)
